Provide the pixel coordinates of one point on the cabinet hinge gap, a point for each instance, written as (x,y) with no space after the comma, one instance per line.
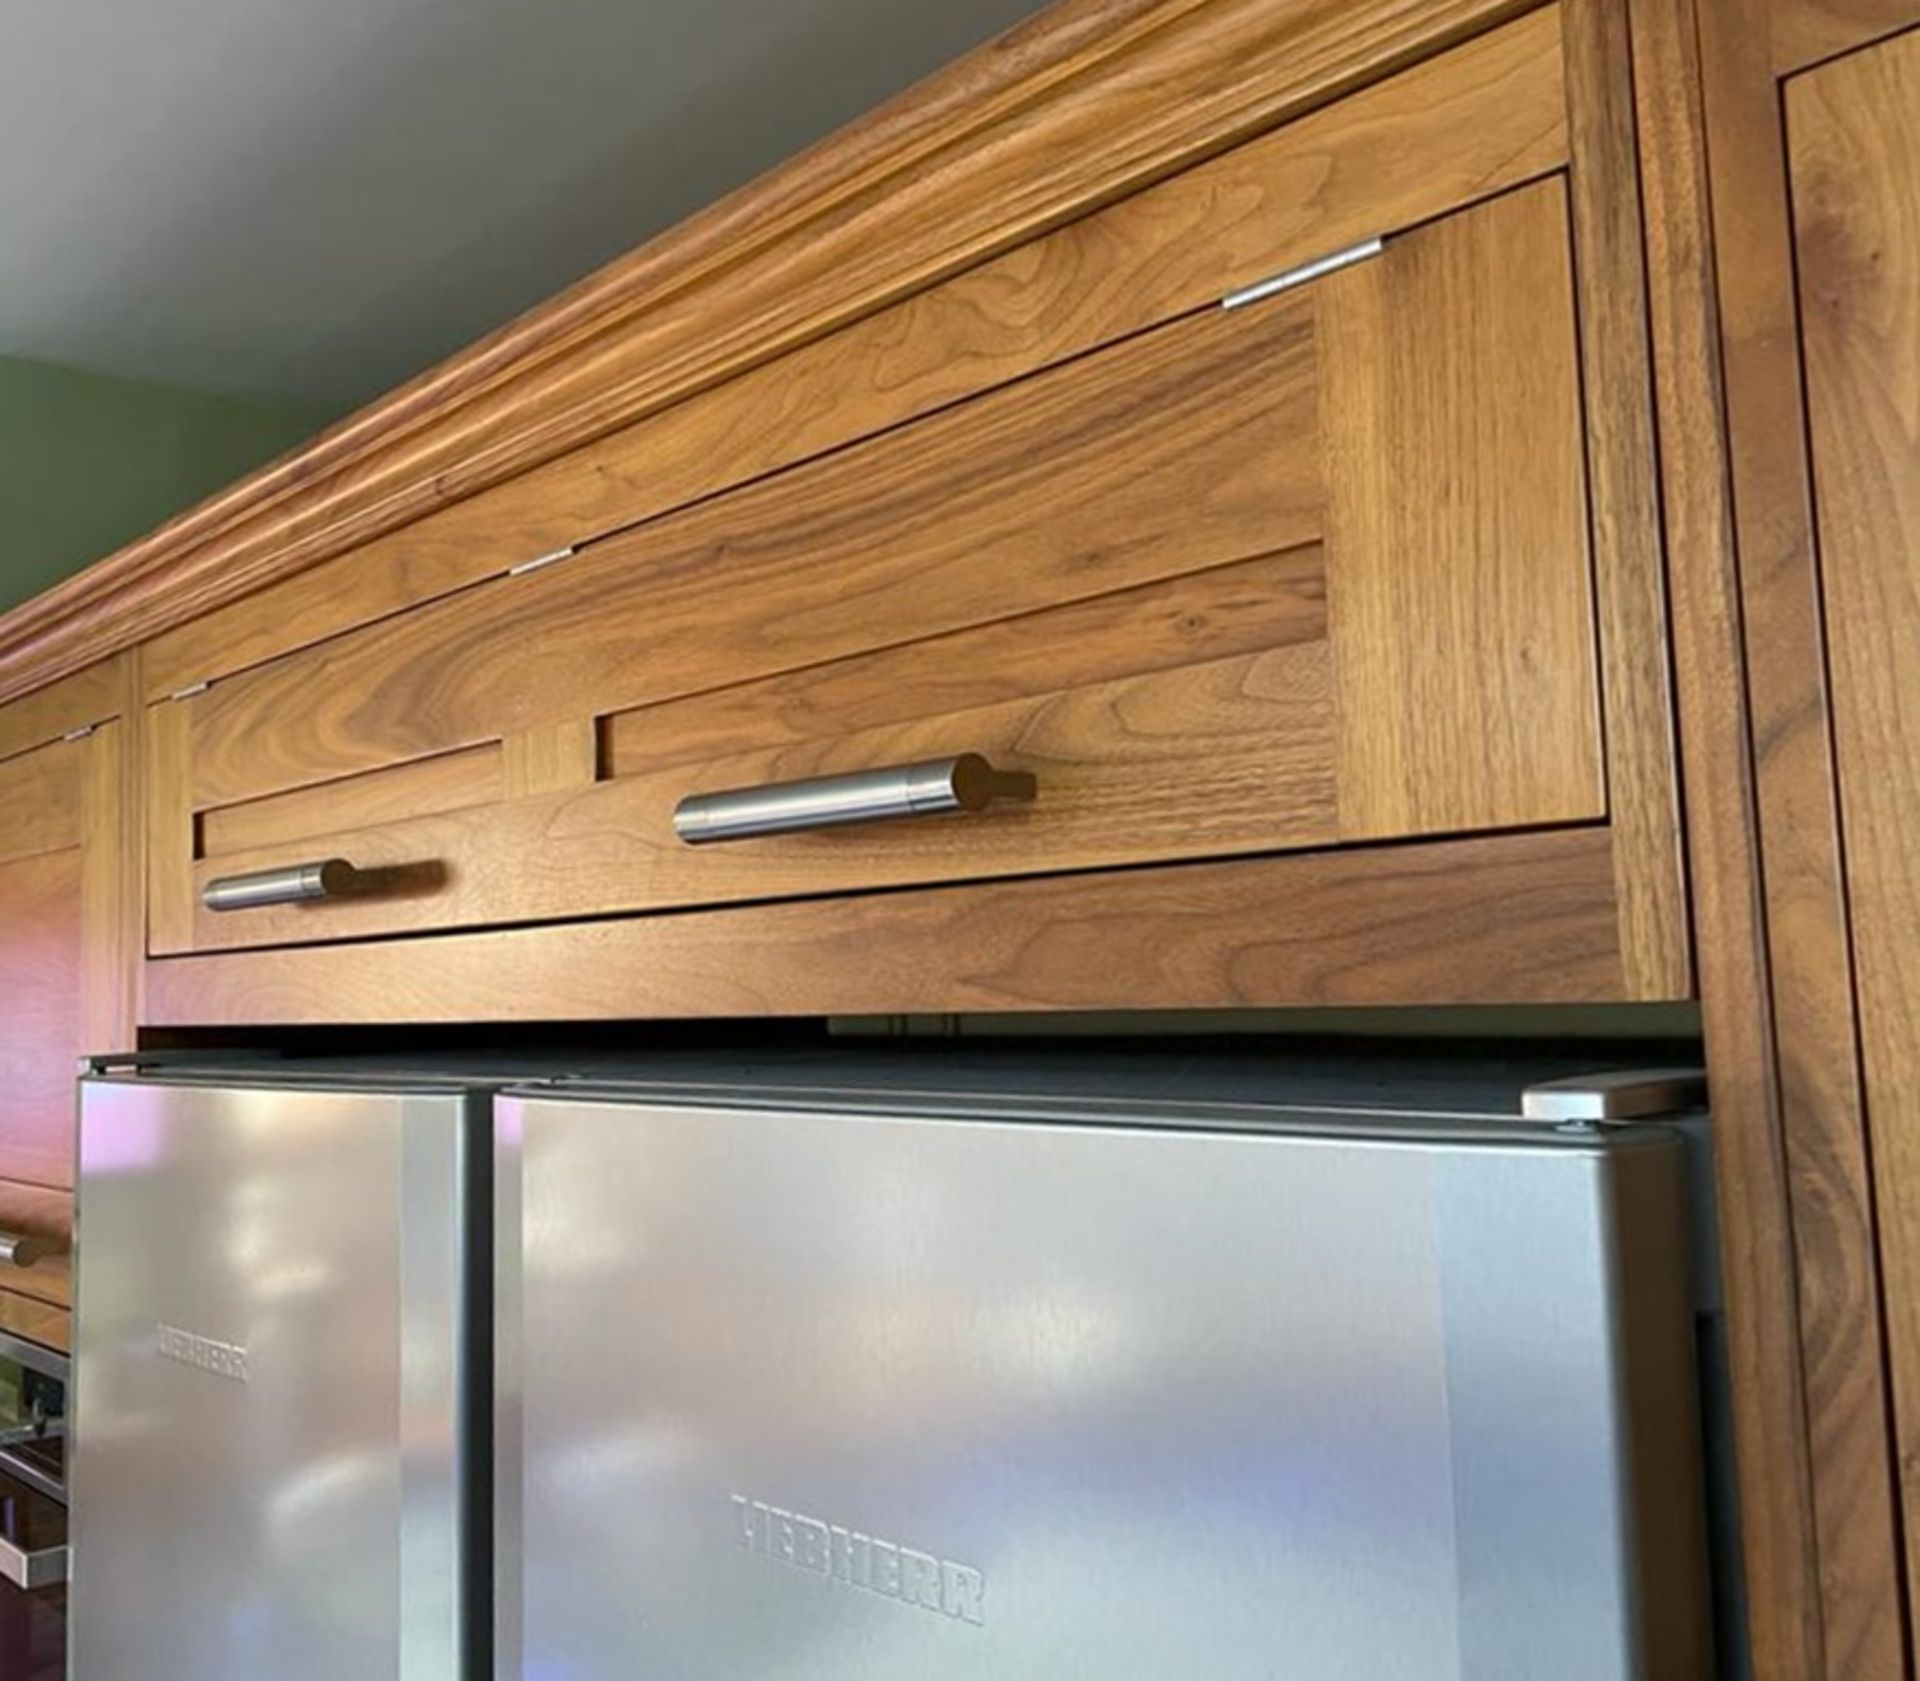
(1290,278)
(539,561)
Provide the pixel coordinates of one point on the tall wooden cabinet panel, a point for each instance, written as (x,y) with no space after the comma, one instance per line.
(1853,131)
(1769,240)
(67,960)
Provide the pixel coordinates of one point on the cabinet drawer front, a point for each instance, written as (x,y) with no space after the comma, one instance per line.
(1309,572)
(36,1236)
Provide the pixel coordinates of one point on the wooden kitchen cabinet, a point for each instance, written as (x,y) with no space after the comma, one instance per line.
(1300,574)
(1454,128)
(1360,639)
(1853,147)
(1345,564)
(68,943)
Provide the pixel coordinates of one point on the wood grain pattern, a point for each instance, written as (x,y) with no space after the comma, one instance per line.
(69,957)
(1457,505)
(89,697)
(1643,786)
(1803,32)
(167,749)
(34,1211)
(41,1006)
(1780,1540)
(1155,458)
(40,800)
(68,946)
(551,758)
(110,945)
(135,833)
(1817,1074)
(1273,601)
(1854,136)
(1511,919)
(1457,128)
(417,788)
(36,1321)
(1229,756)
(1047,513)
(1183,717)
(1092,100)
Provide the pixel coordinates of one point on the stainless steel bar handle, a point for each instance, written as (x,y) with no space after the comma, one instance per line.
(966,783)
(295,884)
(25,1249)
(44,1569)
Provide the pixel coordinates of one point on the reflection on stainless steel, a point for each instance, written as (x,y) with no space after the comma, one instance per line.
(852,1397)
(269,1426)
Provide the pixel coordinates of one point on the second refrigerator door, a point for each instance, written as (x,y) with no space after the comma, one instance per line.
(269,1409)
(817,1396)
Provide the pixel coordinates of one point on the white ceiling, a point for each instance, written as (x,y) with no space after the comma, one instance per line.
(313,199)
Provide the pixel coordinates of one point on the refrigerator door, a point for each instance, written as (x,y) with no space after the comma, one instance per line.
(269,1418)
(817,1396)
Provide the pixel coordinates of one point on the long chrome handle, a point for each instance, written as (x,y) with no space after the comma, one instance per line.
(43,1569)
(26,1249)
(967,783)
(296,884)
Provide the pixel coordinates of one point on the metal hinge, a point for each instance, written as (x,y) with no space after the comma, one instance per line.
(1290,278)
(191,690)
(539,561)
(1628,1094)
(117,1062)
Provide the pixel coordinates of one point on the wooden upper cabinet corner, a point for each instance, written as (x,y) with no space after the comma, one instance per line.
(69,948)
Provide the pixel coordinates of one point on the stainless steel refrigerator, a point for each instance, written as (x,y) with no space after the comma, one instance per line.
(1119,1370)
(825,1369)
(276,1451)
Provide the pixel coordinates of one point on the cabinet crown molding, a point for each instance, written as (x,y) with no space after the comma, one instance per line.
(1090,100)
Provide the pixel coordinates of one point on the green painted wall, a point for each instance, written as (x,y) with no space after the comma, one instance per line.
(88,463)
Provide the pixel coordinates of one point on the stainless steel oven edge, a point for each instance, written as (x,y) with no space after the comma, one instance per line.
(28,1564)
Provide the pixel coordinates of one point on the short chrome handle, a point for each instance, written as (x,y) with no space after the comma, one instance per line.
(295,884)
(966,783)
(26,1249)
(45,1568)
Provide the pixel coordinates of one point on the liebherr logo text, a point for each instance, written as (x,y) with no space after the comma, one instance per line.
(861,1561)
(223,1359)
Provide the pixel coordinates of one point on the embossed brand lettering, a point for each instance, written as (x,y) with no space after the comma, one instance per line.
(222,1359)
(861,1561)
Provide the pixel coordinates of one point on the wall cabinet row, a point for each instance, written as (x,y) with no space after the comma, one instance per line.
(1353,538)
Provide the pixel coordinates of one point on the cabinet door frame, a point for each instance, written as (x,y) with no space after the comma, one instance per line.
(1819,1463)
(75,737)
